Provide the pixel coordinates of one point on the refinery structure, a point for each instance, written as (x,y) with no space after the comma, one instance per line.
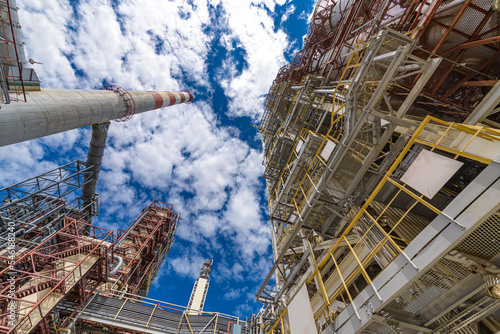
(381,144)
(381,147)
(59,273)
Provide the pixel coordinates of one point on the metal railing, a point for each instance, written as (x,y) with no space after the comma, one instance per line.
(378,241)
(127,311)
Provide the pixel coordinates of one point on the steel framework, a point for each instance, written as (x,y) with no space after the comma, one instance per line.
(34,208)
(70,264)
(343,124)
(144,245)
(463,33)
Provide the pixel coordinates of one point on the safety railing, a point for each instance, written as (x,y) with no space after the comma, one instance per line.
(382,225)
(386,229)
(42,276)
(274,99)
(313,169)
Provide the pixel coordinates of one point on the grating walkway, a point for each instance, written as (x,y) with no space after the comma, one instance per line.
(136,316)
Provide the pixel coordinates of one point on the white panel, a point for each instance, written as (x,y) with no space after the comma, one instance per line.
(199,294)
(300,314)
(299,146)
(327,150)
(430,172)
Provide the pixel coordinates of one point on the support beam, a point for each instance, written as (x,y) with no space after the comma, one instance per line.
(486,106)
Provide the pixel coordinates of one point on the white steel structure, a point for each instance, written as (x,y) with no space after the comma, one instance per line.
(200,289)
(384,219)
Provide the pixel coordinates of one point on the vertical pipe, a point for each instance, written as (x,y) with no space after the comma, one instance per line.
(94,159)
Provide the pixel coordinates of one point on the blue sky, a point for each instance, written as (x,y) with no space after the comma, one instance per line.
(204,157)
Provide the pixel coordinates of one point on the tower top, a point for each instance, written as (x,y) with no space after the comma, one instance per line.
(206,268)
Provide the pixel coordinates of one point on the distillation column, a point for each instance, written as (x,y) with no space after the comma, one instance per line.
(52,111)
(200,288)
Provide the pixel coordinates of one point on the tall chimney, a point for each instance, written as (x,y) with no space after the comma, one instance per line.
(51,111)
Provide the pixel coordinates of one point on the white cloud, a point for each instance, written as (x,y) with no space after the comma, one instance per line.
(290,10)
(251,26)
(119,46)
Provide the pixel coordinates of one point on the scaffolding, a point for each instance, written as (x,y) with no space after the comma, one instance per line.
(463,33)
(117,311)
(15,79)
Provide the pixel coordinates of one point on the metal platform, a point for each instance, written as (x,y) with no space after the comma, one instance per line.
(147,317)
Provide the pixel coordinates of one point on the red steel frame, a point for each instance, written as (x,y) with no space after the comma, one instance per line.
(140,243)
(48,267)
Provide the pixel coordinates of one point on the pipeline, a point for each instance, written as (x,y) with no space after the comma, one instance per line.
(116,282)
(127,232)
(94,159)
(117,266)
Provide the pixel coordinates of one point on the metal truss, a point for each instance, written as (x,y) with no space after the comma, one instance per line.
(463,33)
(33,209)
(144,245)
(120,311)
(12,83)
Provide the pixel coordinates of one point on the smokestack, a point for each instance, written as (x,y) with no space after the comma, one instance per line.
(52,111)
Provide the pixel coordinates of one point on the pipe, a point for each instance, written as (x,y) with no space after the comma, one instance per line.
(22,231)
(94,159)
(115,282)
(117,266)
(53,111)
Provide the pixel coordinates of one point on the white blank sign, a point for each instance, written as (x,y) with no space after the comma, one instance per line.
(430,172)
(300,314)
(327,150)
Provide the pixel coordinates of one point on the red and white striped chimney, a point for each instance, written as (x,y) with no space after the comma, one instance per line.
(52,111)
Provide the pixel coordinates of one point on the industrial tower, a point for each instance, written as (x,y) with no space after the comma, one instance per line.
(381,142)
(59,273)
(200,288)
